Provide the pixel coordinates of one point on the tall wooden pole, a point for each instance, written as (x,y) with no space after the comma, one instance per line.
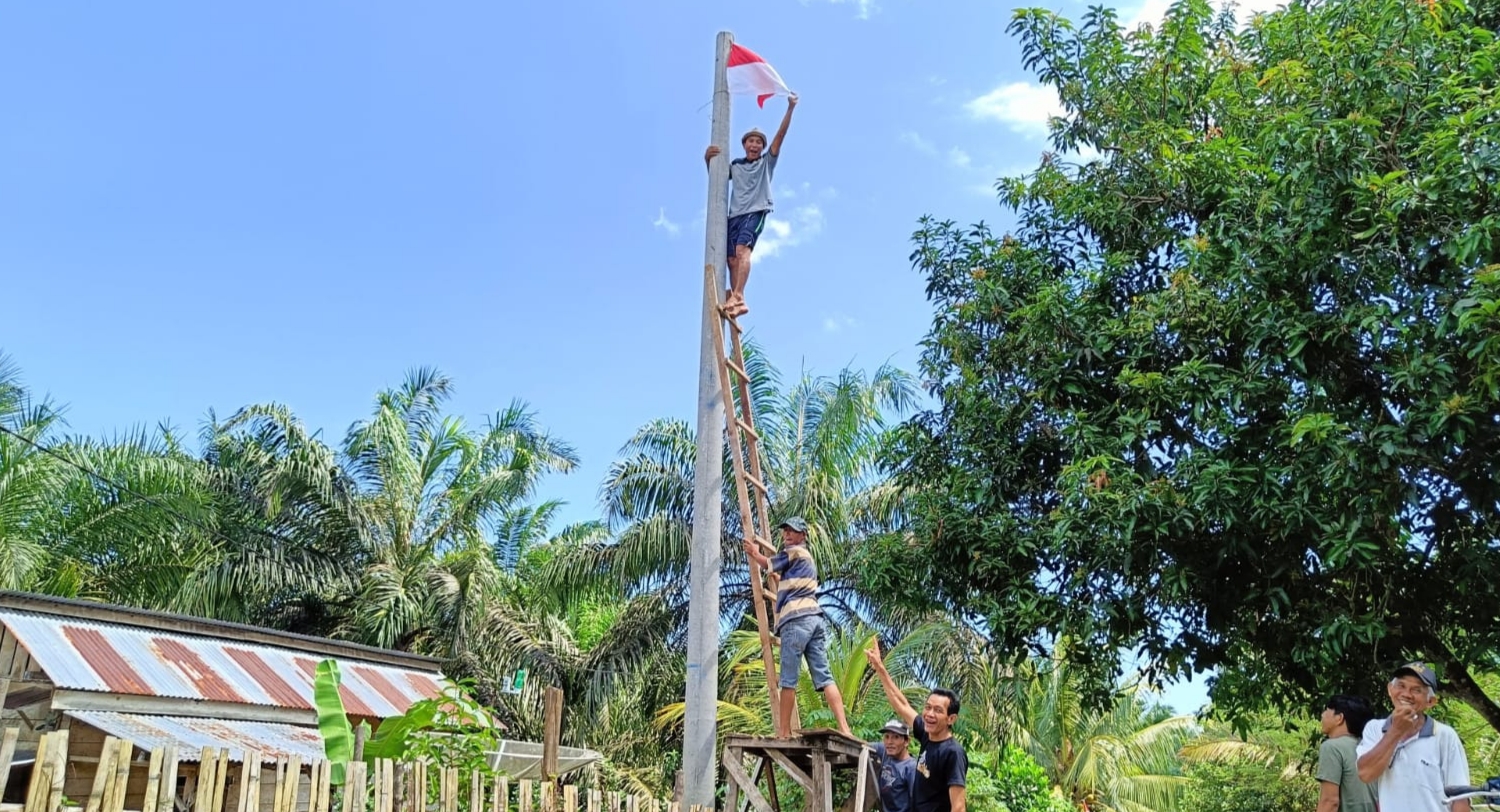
(552,708)
(699,750)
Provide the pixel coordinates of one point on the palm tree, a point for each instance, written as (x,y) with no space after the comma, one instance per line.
(429,491)
(744,706)
(290,516)
(28,479)
(819,441)
(1120,759)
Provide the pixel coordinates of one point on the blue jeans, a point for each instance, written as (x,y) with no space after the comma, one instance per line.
(799,636)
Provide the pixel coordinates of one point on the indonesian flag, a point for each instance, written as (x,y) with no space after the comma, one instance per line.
(749,75)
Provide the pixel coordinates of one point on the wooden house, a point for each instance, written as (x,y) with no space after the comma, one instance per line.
(155,679)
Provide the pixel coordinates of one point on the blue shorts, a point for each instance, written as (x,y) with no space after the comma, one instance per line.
(744,229)
(799,636)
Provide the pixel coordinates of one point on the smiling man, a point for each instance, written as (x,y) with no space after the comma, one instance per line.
(749,203)
(942,767)
(1409,755)
(898,772)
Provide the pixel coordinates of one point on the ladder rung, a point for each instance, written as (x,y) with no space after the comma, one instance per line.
(738,370)
(758,485)
(747,428)
(734,321)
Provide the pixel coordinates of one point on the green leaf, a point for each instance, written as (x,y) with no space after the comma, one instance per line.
(333,721)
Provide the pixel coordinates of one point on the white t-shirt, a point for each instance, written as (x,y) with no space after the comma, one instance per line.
(1420,768)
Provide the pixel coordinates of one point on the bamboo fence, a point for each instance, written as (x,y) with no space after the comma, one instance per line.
(288,785)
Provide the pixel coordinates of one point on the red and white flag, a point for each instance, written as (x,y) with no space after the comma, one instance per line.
(749,75)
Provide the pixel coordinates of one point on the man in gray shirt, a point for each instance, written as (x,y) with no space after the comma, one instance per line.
(749,203)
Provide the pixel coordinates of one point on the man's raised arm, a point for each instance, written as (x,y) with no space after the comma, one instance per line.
(904,711)
(786,121)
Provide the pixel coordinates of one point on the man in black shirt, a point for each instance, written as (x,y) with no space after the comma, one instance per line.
(942,766)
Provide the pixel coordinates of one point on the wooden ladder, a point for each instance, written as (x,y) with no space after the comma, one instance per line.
(749,477)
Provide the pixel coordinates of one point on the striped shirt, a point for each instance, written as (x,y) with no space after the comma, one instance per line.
(797,593)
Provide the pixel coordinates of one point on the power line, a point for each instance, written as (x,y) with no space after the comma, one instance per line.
(168,509)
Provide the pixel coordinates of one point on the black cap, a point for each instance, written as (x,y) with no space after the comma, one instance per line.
(1421,671)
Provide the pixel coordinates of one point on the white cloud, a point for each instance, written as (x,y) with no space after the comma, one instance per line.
(917,142)
(806,190)
(958,158)
(1023,106)
(801,225)
(863,8)
(666,225)
(835,323)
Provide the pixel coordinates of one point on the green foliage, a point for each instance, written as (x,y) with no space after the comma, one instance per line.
(1226,394)
(1247,786)
(1008,780)
(333,720)
(820,438)
(451,730)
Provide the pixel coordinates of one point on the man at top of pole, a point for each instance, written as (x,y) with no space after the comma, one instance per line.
(749,203)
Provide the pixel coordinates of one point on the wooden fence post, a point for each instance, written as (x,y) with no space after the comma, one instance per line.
(551,733)
(166,800)
(252,782)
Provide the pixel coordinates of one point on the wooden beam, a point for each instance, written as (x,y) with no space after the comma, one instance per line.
(153,778)
(7,754)
(792,770)
(66,700)
(551,731)
(859,779)
(737,774)
(821,797)
(102,772)
(771,791)
(167,798)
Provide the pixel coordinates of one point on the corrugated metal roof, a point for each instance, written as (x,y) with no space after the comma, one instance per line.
(115,658)
(191,735)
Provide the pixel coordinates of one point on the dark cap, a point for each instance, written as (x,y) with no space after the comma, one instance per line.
(795,523)
(1421,671)
(895,726)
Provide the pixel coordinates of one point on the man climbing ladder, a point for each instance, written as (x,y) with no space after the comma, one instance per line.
(749,203)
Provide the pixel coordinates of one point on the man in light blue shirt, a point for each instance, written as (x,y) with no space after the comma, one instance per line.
(749,203)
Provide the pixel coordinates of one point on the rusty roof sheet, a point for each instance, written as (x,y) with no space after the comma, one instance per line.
(120,659)
(191,735)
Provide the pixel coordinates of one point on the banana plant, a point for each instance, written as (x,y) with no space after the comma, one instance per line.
(333,721)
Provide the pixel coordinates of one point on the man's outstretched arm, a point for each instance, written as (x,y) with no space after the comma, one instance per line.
(904,711)
(786,121)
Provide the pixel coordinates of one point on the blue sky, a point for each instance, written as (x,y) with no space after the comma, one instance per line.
(209,205)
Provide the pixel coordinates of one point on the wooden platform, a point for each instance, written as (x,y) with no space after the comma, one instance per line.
(810,759)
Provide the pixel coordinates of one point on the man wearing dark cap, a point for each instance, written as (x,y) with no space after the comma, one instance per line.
(799,624)
(1409,756)
(898,770)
